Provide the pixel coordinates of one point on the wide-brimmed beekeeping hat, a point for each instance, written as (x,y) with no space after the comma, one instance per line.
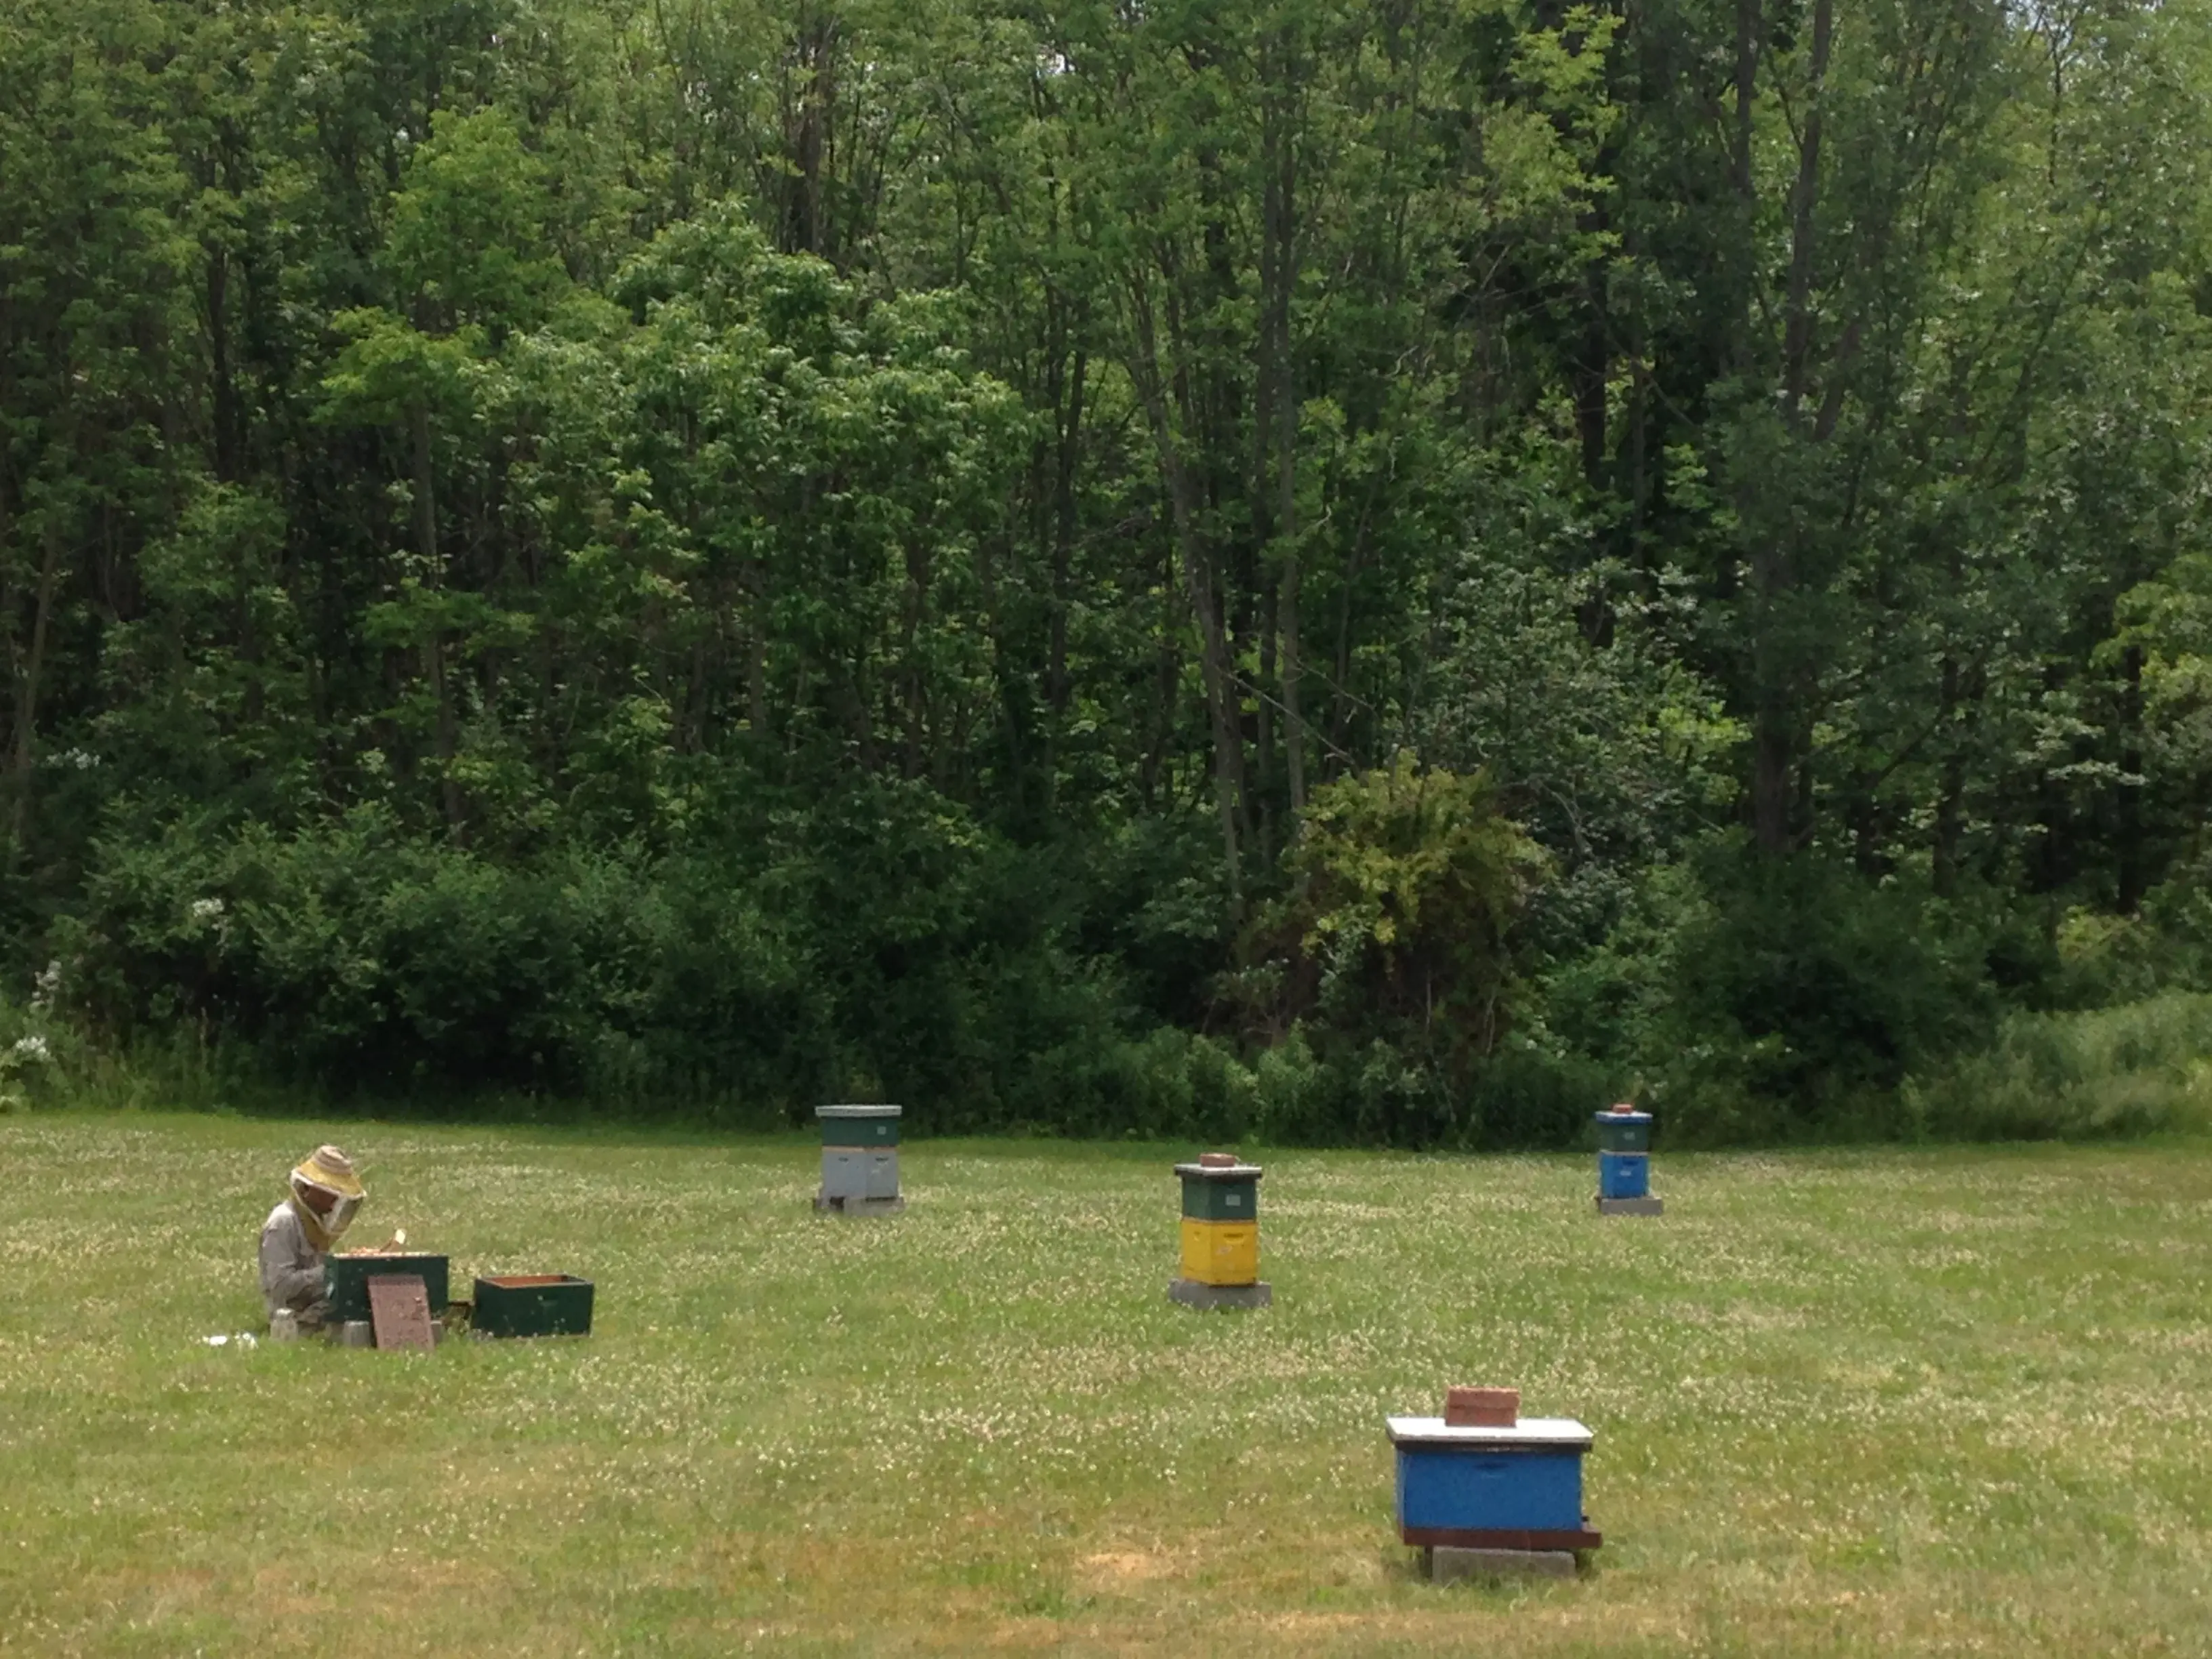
(330,1170)
(333,1170)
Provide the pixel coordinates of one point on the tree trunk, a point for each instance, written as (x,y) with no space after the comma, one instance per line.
(224,393)
(756,710)
(2129,877)
(1950,812)
(1777,670)
(27,690)
(808,139)
(1281,236)
(434,651)
(1057,684)
(1198,581)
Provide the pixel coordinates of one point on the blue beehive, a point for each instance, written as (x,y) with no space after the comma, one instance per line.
(1624,1163)
(1515,1487)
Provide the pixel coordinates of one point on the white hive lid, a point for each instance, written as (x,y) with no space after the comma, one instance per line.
(1530,1432)
(857,1111)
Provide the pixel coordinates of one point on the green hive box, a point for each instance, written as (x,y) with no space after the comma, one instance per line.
(870,1127)
(345,1281)
(1210,1193)
(533,1305)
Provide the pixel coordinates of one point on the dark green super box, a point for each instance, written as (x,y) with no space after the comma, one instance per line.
(533,1305)
(345,1280)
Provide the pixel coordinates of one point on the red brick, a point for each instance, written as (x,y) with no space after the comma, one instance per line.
(1481,1408)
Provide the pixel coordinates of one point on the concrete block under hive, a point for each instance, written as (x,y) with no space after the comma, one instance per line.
(1624,1163)
(532,1304)
(1483,1489)
(859,1160)
(345,1281)
(1220,1235)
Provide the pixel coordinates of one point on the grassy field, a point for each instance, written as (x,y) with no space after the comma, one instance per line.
(1883,1402)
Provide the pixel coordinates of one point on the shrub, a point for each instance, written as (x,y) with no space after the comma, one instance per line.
(1768,1001)
(2128,1070)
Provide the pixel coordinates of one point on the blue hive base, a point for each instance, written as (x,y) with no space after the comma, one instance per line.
(1630,1206)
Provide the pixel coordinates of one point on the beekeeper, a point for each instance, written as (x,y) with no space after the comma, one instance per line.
(297,1238)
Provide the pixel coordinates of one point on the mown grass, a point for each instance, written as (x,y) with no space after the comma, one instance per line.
(1863,1401)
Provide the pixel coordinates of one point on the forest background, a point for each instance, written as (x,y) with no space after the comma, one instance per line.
(1372,571)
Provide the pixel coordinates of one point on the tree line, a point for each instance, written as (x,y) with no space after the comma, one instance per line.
(1343,569)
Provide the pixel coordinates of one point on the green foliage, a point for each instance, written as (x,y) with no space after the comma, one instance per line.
(355,958)
(2130,1069)
(717,557)
(1405,884)
(1758,1001)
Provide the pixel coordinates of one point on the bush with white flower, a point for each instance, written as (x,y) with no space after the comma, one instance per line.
(32,1056)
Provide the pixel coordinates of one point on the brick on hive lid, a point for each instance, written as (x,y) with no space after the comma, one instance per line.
(1217,1160)
(1624,1106)
(1481,1408)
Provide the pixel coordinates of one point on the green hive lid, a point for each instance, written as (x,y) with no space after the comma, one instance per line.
(858,1111)
(1218,1171)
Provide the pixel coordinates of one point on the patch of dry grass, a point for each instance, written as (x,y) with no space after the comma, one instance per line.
(1850,1402)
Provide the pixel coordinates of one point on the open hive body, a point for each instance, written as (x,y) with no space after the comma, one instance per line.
(345,1280)
(532,1304)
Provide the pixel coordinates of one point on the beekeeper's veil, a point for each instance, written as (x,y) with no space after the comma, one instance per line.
(327,1174)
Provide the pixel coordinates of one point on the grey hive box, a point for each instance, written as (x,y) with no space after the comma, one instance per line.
(859,1160)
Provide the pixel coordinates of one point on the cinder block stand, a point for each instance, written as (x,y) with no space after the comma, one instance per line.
(857,1207)
(1192,1294)
(1630,1207)
(1446,1564)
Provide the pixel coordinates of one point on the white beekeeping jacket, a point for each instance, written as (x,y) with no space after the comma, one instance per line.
(291,1268)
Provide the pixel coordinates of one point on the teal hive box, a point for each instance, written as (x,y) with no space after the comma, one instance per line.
(533,1305)
(1623,1132)
(345,1281)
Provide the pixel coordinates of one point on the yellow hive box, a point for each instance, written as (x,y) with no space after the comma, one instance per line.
(1221,1252)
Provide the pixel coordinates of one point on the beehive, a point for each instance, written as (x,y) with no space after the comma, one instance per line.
(859,1159)
(345,1281)
(532,1304)
(1498,1486)
(1220,1234)
(1624,1163)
